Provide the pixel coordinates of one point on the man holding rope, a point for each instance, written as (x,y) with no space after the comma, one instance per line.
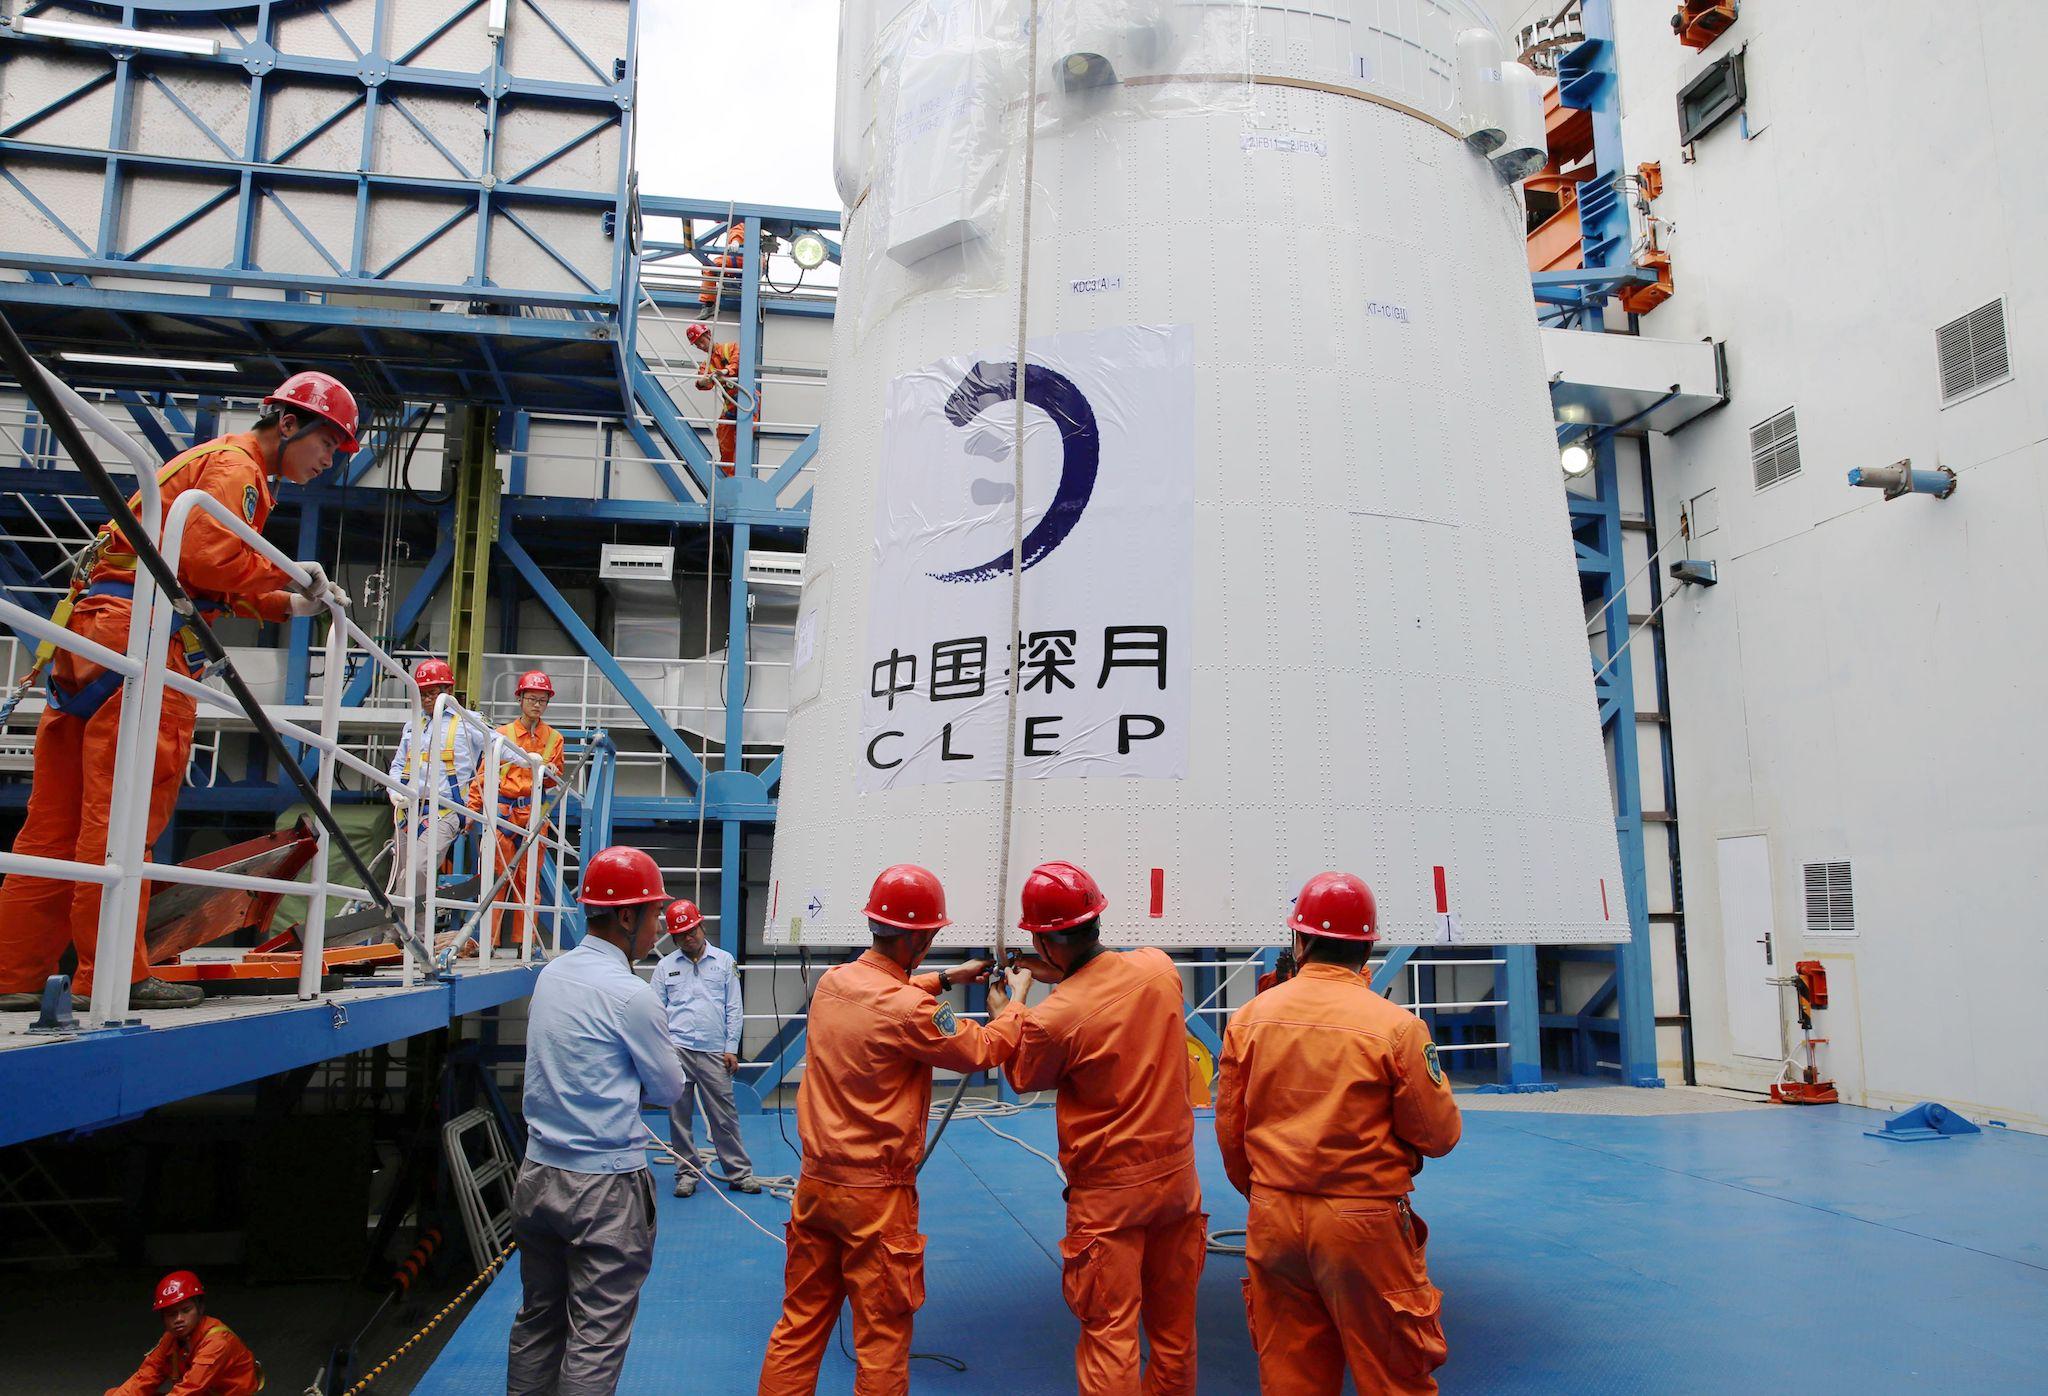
(305,425)
(875,1035)
(443,752)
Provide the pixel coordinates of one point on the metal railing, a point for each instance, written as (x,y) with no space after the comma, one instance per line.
(146,676)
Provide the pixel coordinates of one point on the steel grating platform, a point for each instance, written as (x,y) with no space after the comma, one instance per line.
(1703,1252)
(88,1080)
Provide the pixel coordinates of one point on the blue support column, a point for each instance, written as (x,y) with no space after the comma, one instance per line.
(1588,80)
(1525,1033)
(730,877)
(746,448)
(299,664)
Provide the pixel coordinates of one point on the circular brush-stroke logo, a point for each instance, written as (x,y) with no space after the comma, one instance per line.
(989,385)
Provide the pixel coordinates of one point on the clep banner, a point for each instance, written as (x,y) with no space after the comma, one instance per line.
(1101,649)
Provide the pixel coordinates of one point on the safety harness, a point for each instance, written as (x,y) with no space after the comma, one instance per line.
(111,547)
(415,758)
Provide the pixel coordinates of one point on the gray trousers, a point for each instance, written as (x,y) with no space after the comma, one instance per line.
(586,1241)
(707,1082)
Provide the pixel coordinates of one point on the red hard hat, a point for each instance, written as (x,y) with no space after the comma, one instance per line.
(1336,905)
(325,398)
(534,681)
(1059,897)
(683,917)
(699,335)
(621,876)
(909,898)
(428,672)
(176,1287)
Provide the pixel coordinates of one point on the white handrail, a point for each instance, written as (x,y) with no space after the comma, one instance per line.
(147,676)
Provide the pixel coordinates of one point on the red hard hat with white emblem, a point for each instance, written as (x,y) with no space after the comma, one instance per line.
(1337,905)
(177,1287)
(325,398)
(429,672)
(909,898)
(534,681)
(1059,897)
(683,917)
(621,876)
(700,335)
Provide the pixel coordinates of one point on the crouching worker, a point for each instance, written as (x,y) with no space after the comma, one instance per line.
(1330,1099)
(1111,1038)
(875,1035)
(584,1207)
(197,1355)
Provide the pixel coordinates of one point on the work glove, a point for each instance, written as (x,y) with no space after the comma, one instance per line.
(316,604)
(316,580)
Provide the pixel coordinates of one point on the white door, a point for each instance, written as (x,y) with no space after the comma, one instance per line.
(1748,950)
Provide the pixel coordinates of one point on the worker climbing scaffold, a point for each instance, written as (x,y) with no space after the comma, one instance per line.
(309,421)
(721,371)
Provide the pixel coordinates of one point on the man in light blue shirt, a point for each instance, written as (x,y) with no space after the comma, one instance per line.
(440,754)
(584,1206)
(699,989)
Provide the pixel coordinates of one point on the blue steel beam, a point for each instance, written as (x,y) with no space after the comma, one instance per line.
(586,640)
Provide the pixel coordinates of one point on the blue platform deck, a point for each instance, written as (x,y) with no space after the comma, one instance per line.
(49,1085)
(1773,1249)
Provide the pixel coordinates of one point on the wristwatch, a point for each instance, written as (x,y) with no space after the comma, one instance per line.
(945,981)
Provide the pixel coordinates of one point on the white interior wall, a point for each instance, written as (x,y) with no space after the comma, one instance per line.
(1865,681)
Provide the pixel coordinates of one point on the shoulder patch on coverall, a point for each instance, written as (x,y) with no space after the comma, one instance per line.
(249,503)
(944,1021)
(1436,1069)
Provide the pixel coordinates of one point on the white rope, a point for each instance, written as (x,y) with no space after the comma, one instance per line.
(1026,1148)
(1017,496)
(691,1164)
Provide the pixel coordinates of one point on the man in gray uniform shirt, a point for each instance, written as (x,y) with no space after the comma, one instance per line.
(584,1207)
(699,988)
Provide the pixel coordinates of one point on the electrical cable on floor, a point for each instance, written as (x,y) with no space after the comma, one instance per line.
(1219,1246)
(497,1263)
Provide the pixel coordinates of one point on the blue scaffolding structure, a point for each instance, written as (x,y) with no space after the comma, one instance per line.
(586,357)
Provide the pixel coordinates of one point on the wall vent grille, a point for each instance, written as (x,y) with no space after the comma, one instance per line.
(1972,352)
(1774,448)
(1830,900)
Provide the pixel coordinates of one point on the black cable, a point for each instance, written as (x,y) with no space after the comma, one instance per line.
(405,466)
(29,375)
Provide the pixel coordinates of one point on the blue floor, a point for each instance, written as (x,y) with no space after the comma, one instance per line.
(1736,1252)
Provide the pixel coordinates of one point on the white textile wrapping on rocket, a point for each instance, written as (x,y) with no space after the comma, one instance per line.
(1298,589)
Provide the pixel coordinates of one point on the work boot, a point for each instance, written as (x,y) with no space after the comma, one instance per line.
(161,993)
(746,1184)
(685,1186)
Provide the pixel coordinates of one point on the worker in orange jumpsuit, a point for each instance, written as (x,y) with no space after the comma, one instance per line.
(718,278)
(517,797)
(197,1354)
(875,1035)
(1112,1037)
(1330,1099)
(722,371)
(304,425)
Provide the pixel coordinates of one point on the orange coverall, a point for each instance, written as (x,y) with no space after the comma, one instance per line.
(875,1035)
(722,370)
(1330,1098)
(73,782)
(516,801)
(718,278)
(1113,1038)
(216,1363)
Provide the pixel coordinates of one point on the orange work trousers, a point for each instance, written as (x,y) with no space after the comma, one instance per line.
(858,1244)
(70,792)
(1132,1259)
(519,886)
(1337,1282)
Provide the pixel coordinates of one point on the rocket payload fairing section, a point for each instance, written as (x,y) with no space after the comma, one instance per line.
(1296,586)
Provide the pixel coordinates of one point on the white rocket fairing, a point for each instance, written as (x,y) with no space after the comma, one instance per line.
(1297,589)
